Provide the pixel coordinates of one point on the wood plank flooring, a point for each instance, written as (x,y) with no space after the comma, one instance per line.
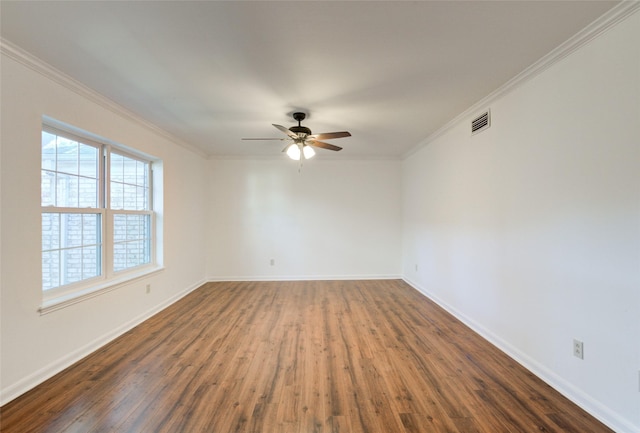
(312,356)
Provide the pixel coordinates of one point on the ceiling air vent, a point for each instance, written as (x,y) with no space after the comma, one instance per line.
(481,122)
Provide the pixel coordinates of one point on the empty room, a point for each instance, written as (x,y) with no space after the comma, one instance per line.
(320,216)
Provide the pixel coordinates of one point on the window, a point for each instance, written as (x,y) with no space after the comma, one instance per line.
(97,217)
(129,198)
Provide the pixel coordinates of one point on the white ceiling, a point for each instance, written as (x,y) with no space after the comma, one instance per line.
(212,72)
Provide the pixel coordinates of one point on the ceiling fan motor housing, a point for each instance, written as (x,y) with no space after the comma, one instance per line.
(300,130)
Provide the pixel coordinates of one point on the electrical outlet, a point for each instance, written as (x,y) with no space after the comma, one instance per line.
(148,288)
(416,267)
(273,262)
(578,349)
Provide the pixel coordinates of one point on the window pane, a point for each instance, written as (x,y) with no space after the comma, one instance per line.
(66,190)
(88,192)
(48,151)
(88,161)
(50,269)
(141,172)
(50,231)
(71,230)
(69,172)
(67,155)
(129,183)
(119,256)
(71,265)
(130,197)
(136,226)
(129,175)
(133,254)
(131,240)
(141,198)
(90,229)
(116,167)
(48,188)
(90,262)
(71,248)
(133,231)
(117,195)
(120,228)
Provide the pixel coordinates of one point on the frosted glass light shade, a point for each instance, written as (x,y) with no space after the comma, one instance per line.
(308,152)
(294,152)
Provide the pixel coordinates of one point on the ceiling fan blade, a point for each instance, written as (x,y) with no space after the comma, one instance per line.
(322,144)
(286,131)
(330,135)
(279,139)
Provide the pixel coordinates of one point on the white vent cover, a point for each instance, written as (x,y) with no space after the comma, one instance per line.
(481,122)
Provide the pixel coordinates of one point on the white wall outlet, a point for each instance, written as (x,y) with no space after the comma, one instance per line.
(148,288)
(416,267)
(272,262)
(578,349)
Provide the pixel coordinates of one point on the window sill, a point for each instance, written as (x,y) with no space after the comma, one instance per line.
(53,304)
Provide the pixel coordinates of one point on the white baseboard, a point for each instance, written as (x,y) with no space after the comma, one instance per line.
(15,390)
(594,407)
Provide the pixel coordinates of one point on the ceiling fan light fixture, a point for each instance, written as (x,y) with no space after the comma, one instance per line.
(293,151)
(302,142)
(308,152)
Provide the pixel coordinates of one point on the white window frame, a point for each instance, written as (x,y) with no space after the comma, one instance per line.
(110,279)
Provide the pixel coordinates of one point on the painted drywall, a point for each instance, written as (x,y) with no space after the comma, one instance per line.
(35,346)
(530,231)
(330,219)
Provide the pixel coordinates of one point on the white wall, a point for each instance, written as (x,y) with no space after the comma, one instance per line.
(530,231)
(34,347)
(333,219)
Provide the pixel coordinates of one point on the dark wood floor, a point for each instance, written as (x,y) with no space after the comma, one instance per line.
(315,356)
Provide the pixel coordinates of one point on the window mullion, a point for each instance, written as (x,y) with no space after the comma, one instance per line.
(107,225)
(107,244)
(105,175)
(62,267)
(150,188)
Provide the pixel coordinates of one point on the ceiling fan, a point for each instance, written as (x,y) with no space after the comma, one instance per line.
(303,141)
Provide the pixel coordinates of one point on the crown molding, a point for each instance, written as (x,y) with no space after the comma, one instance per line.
(609,19)
(32,62)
